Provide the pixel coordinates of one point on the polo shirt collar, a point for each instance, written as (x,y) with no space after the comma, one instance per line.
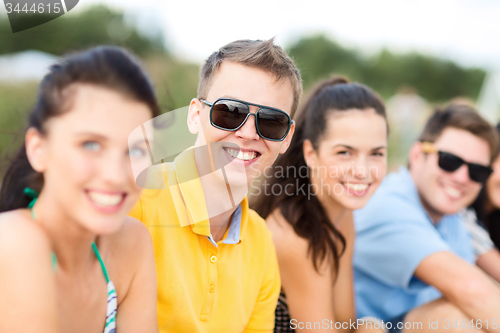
(233,233)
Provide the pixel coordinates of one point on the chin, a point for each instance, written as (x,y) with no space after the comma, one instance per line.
(353,203)
(107,226)
(448,209)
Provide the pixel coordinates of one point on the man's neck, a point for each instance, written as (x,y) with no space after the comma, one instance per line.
(221,198)
(433,214)
(220,223)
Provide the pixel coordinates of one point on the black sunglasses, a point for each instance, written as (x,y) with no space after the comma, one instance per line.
(230,114)
(450,162)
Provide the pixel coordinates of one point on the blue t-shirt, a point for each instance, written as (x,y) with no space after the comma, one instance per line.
(394,235)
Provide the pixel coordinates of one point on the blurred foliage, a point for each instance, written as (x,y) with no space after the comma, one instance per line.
(15,102)
(176,82)
(96,25)
(436,80)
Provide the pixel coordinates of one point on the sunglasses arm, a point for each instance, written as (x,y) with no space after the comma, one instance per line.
(205,102)
(428,147)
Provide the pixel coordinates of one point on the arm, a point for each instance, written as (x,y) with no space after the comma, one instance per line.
(137,310)
(343,290)
(262,318)
(490,263)
(464,285)
(487,256)
(27,304)
(309,293)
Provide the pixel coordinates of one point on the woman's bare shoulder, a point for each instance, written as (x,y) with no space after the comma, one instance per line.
(23,242)
(19,231)
(286,240)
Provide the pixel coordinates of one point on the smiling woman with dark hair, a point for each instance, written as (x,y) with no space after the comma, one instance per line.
(341,140)
(71,258)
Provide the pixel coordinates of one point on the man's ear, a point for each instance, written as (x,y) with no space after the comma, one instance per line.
(286,143)
(194,115)
(309,153)
(36,149)
(415,153)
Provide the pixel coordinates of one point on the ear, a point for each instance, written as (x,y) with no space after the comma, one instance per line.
(36,149)
(309,153)
(415,153)
(194,115)
(286,143)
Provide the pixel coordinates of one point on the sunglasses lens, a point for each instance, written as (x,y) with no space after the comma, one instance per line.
(449,162)
(228,114)
(273,124)
(479,173)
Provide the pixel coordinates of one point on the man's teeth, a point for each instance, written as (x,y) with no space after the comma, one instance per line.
(356,187)
(246,156)
(105,199)
(452,192)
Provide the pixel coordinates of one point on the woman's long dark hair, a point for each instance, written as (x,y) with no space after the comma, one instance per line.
(490,220)
(106,66)
(304,212)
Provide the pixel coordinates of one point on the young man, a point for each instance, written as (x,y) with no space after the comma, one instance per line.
(413,257)
(216,264)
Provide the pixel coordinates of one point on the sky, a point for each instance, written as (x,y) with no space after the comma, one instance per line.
(465,31)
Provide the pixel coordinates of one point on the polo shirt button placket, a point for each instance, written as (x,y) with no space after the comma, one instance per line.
(212,283)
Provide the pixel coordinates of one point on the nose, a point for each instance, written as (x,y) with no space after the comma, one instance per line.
(248,131)
(114,169)
(461,174)
(360,167)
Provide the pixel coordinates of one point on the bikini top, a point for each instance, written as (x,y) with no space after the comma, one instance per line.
(112,305)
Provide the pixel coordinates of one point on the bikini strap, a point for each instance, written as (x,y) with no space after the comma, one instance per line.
(54,261)
(98,255)
(31,193)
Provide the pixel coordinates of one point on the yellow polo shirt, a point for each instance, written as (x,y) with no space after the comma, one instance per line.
(230,286)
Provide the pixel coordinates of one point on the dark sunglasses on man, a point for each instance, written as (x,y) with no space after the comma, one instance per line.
(450,163)
(230,114)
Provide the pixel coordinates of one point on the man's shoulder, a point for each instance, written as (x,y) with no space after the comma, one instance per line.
(257,229)
(256,223)
(396,200)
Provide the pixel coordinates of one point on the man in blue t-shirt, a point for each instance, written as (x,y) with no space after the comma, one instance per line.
(413,259)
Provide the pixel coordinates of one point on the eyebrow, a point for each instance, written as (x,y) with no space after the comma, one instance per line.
(100,136)
(92,134)
(138,141)
(352,148)
(229,96)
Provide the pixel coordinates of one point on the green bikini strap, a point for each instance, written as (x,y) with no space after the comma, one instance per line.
(54,261)
(98,255)
(31,193)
